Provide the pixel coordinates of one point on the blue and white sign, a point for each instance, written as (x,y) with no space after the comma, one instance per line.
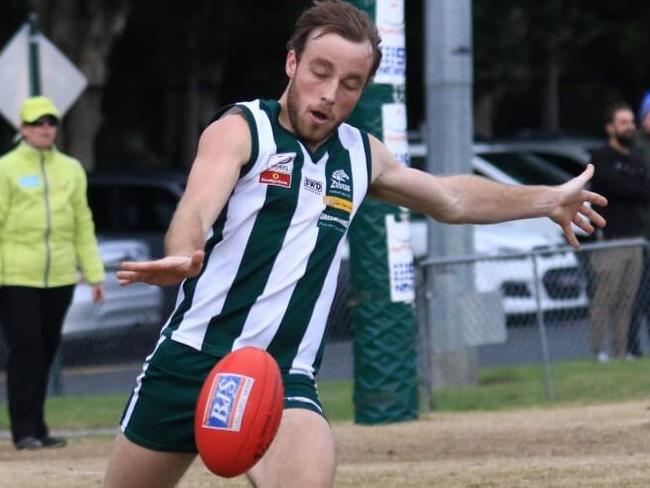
(401,272)
(390,24)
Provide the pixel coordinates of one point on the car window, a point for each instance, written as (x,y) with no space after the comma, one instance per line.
(565,163)
(144,208)
(418,162)
(527,168)
(100,200)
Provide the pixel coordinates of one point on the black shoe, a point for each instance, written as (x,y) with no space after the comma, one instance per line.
(51,441)
(28,443)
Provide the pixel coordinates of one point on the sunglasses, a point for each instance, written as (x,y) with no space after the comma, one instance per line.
(46,119)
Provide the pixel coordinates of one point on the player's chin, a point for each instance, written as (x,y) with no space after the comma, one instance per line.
(318,134)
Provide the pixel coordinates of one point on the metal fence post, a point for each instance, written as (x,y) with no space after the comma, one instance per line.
(548,376)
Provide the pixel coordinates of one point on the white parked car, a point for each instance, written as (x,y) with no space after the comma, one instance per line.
(133,306)
(561,282)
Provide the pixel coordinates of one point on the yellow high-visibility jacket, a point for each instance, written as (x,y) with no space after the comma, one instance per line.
(47,233)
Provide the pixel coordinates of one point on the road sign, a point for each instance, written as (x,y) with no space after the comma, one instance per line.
(60,79)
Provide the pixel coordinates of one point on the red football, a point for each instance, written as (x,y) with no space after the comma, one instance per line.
(238,411)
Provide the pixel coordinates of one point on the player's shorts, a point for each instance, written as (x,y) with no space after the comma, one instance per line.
(160,413)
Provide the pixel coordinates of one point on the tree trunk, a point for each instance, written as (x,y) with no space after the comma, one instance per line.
(84,31)
(551,98)
(484,112)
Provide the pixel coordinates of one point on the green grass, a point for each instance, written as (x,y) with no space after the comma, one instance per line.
(575,382)
(78,412)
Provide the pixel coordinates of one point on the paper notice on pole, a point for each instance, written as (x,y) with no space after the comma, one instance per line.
(60,79)
(394,134)
(390,24)
(400,260)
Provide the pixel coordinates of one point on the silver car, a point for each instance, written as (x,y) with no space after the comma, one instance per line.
(137,305)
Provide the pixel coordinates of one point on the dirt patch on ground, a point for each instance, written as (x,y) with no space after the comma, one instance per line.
(594,447)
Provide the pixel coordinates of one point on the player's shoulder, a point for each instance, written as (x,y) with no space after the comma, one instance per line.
(232,123)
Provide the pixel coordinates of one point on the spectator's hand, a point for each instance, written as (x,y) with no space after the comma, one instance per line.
(98,293)
(162,272)
(572,206)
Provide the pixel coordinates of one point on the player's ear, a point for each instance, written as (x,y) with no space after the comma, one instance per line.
(291,63)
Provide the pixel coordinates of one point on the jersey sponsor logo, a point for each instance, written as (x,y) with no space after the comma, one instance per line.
(275,178)
(330,221)
(227,401)
(279,169)
(340,181)
(340,175)
(340,203)
(313,186)
(281,162)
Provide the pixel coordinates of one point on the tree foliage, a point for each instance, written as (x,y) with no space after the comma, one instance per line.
(159,69)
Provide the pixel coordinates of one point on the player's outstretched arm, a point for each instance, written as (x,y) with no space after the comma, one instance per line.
(162,272)
(475,200)
(224,147)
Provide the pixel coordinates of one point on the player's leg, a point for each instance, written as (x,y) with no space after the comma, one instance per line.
(302,454)
(134,466)
(156,443)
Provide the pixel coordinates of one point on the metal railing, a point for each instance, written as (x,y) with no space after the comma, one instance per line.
(529,308)
(532,307)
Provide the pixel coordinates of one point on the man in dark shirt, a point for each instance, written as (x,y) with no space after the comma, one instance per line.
(641,307)
(622,177)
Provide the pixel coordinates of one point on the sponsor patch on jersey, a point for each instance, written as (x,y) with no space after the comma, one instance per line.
(227,402)
(275,178)
(340,181)
(334,222)
(313,186)
(278,170)
(337,202)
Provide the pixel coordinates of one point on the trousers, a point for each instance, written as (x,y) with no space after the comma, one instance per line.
(617,275)
(31,320)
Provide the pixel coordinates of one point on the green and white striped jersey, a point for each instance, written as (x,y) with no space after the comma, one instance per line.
(273,255)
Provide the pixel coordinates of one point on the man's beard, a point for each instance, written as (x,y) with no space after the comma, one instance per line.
(294,118)
(625,139)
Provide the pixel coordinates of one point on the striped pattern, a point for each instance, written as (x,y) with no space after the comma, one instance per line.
(273,255)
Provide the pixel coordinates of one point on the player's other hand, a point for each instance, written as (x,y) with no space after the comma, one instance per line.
(167,271)
(574,206)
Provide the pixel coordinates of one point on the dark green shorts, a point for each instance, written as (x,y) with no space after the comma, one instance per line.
(160,413)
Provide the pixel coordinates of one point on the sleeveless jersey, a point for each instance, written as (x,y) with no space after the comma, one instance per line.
(273,255)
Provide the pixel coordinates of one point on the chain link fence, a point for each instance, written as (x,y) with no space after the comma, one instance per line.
(475,313)
(481,313)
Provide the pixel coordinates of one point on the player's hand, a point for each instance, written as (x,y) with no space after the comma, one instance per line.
(167,271)
(574,206)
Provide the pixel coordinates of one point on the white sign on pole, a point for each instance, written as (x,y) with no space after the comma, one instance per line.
(401,272)
(390,24)
(394,134)
(60,79)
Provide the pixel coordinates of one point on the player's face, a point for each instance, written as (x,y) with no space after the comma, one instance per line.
(41,133)
(325,84)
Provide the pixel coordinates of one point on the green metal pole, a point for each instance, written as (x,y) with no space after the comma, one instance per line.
(385,387)
(34,62)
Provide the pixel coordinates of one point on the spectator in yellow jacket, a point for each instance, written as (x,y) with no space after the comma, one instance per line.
(46,237)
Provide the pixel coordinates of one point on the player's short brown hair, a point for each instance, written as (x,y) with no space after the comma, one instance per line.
(336,17)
